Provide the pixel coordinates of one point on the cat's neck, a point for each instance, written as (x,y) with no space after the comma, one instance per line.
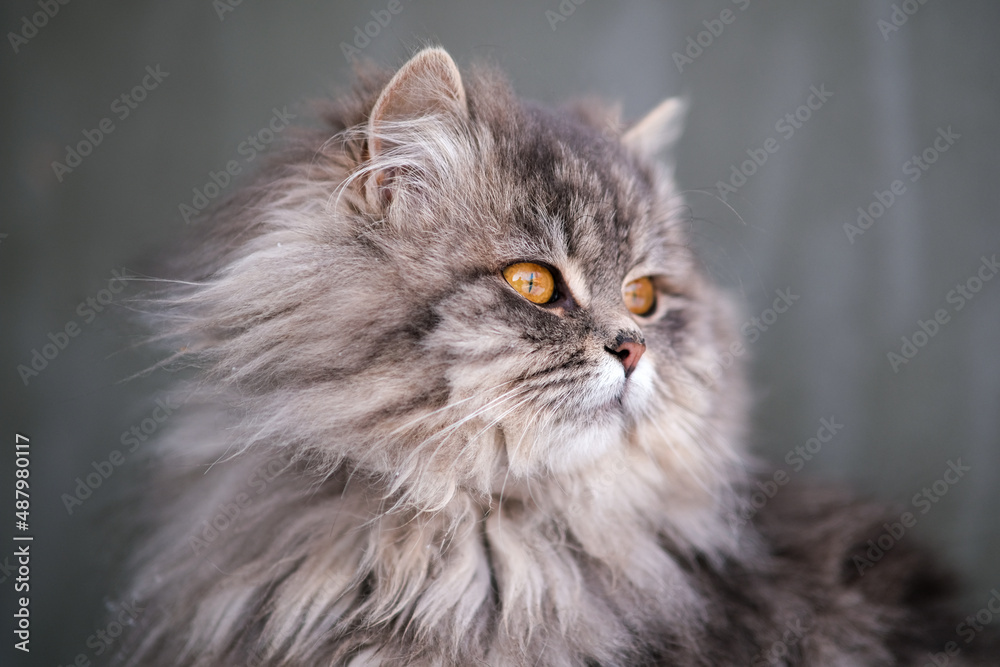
(556,548)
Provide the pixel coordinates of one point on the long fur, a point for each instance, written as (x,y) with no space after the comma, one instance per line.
(391,458)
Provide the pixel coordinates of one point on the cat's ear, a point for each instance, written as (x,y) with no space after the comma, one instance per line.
(659,130)
(425,91)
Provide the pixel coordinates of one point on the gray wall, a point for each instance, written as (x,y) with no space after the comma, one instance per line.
(825,357)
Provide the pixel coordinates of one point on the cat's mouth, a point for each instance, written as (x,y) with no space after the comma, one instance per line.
(605,396)
(627,393)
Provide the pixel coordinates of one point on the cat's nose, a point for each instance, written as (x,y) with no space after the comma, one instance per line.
(628,350)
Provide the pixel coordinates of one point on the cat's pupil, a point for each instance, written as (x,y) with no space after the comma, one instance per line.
(640,296)
(532,281)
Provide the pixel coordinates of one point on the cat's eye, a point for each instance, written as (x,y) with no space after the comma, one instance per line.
(532,281)
(640,296)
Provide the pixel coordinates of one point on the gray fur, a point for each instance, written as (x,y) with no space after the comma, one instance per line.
(459,476)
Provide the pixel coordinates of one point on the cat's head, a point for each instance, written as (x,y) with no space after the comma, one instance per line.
(458,288)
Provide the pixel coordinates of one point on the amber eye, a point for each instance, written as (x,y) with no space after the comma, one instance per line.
(532,281)
(640,296)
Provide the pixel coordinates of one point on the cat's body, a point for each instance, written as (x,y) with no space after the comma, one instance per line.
(398,458)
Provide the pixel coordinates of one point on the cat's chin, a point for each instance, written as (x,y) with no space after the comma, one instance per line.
(598,422)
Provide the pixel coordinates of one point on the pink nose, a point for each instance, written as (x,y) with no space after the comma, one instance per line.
(628,352)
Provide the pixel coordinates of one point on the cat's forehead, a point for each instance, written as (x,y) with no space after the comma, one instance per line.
(574,193)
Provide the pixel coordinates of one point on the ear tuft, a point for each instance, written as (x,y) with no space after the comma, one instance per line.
(659,130)
(428,86)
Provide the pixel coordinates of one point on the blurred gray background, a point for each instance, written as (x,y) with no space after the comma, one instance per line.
(228,66)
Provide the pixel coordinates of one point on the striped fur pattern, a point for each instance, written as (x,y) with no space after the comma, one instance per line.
(390,457)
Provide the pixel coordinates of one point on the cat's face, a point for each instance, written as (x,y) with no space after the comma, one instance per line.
(465,289)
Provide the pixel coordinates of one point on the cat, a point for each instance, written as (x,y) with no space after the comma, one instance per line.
(458,403)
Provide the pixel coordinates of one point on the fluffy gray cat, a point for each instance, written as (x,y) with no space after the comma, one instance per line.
(459,404)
